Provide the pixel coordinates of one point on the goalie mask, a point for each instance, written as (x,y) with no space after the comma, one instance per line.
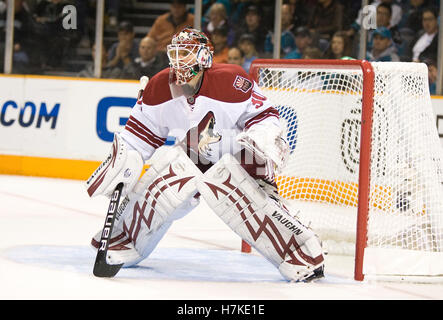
(190,52)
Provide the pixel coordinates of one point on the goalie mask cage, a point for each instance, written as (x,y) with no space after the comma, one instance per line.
(365,165)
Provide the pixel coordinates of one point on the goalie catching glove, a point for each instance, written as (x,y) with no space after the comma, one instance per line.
(267,141)
(123,164)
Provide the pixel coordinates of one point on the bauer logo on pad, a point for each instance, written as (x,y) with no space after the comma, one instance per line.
(242,84)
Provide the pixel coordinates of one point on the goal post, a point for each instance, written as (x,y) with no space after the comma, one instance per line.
(365,167)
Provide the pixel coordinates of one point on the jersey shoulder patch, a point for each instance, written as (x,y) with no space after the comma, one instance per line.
(243,84)
(227,83)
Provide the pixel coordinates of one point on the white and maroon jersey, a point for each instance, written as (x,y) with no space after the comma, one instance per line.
(228,102)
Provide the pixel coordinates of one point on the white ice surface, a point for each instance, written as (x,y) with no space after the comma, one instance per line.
(46,226)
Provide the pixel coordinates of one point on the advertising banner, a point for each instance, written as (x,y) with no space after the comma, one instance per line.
(51,124)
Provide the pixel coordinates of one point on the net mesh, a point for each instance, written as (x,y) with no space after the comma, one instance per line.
(321,107)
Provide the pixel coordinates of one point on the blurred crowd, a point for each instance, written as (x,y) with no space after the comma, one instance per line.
(240,30)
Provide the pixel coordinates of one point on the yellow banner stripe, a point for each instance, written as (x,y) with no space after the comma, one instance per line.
(47,167)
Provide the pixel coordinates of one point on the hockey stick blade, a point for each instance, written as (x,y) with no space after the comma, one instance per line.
(101,267)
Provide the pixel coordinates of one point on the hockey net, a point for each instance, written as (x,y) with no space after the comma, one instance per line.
(375,189)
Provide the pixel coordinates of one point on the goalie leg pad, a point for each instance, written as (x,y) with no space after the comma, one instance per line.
(120,250)
(165,193)
(261,220)
(149,237)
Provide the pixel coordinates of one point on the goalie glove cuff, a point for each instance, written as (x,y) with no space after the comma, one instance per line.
(122,165)
(267,140)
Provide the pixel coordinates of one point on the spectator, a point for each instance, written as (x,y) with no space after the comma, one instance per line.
(352,8)
(84,27)
(339,47)
(206,7)
(24,59)
(326,19)
(383,19)
(220,43)
(253,25)
(107,72)
(425,45)
(148,63)
(217,18)
(54,41)
(112,9)
(49,11)
(125,49)
(432,75)
(412,18)
(246,44)
(303,40)
(397,11)
(170,23)
(238,8)
(299,13)
(312,53)
(236,56)
(287,42)
(396,14)
(383,48)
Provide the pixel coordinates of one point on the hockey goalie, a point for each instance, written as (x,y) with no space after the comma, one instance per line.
(229,146)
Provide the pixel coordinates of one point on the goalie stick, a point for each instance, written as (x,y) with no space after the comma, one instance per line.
(101,267)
